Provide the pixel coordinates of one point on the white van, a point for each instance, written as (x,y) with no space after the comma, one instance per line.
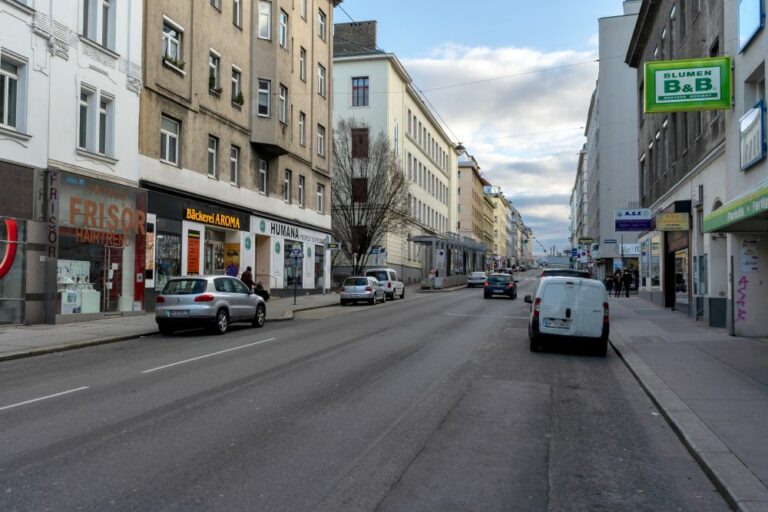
(388,278)
(569,307)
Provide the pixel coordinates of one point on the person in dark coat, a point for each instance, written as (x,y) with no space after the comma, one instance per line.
(247,278)
(609,284)
(617,284)
(626,281)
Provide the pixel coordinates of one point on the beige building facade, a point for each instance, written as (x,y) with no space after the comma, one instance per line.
(235,138)
(470,198)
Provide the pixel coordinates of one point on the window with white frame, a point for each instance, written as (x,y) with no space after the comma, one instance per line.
(321,140)
(234,165)
(169,140)
(237,95)
(213,70)
(99,22)
(322,25)
(263,174)
(282,33)
(104,142)
(321,80)
(265,93)
(303,64)
(282,104)
(9,93)
(216,4)
(303,10)
(213,151)
(265,20)
(320,197)
(287,184)
(302,129)
(301,191)
(237,12)
(172,37)
(86,98)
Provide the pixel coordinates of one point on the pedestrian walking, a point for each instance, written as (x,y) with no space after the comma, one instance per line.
(247,278)
(609,285)
(626,281)
(617,284)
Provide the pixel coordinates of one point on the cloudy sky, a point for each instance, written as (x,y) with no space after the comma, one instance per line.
(512,79)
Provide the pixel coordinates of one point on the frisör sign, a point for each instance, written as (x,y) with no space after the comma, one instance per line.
(685,85)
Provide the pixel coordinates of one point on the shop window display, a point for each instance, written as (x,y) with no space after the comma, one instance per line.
(319,266)
(214,252)
(293,268)
(12,269)
(681,276)
(167,259)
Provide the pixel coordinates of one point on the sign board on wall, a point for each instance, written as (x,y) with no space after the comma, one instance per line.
(752,136)
(751,20)
(672,222)
(633,219)
(193,253)
(685,85)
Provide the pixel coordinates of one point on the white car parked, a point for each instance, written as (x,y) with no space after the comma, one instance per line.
(569,308)
(388,278)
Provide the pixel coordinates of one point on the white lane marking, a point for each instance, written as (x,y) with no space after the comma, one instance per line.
(486,316)
(207,355)
(43,398)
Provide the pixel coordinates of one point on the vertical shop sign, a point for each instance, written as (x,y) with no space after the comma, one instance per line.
(749,256)
(193,252)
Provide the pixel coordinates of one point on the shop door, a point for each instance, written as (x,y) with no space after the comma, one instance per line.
(112,277)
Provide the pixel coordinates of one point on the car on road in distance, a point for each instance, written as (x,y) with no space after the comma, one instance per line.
(565,272)
(207,301)
(388,279)
(569,308)
(365,288)
(499,284)
(475,279)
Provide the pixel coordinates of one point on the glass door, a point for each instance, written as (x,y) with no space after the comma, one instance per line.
(112,278)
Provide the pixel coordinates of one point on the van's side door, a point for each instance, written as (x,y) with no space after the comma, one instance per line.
(589,319)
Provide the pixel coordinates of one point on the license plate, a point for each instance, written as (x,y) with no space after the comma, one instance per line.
(556,323)
(499,291)
(178,313)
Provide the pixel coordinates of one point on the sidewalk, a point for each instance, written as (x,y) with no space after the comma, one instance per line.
(713,389)
(25,341)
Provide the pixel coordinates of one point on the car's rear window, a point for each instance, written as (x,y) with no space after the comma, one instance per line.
(380,275)
(477,274)
(185,286)
(566,273)
(356,281)
(499,279)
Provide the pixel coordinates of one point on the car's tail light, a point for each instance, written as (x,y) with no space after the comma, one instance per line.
(486,283)
(206,297)
(160,299)
(368,289)
(389,285)
(536,307)
(605,312)
(542,274)
(510,285)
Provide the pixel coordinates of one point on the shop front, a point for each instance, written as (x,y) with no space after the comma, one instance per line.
(12,270)
(743,221)
(649,268)
(189,237)
(287,255)
(101,247)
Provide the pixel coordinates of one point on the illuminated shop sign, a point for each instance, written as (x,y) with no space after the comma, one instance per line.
(215,219)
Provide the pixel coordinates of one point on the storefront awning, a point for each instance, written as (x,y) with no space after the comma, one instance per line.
(746,214)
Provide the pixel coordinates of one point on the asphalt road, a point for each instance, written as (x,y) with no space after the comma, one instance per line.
(429,403)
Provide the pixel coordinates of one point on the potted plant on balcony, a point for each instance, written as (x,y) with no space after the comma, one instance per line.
(239,99)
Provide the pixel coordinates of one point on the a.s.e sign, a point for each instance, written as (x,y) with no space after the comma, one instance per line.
(685,85)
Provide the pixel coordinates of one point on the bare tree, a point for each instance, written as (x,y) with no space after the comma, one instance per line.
(369,192)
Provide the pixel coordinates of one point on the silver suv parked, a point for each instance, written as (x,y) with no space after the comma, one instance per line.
(388,279)
(207,301)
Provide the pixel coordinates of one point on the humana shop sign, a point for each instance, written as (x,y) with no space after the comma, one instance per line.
(685,85)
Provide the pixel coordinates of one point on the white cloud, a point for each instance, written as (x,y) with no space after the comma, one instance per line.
(524,130)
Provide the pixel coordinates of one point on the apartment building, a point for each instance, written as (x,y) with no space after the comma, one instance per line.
(235,139)
(469,192)
(374,88)
(73,217)
(682,166)
(502,227)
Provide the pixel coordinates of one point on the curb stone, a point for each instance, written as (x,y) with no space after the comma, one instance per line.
(742,490)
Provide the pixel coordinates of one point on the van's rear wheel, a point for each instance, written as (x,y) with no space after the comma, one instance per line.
(601,348)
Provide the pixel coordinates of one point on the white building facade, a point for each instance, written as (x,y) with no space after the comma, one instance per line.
(70,70)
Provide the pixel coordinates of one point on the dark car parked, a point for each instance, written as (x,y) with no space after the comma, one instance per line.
(499,285)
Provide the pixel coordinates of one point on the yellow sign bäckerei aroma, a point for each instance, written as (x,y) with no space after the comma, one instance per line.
(216,219)
(672,222)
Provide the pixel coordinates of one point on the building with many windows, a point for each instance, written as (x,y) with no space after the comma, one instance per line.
(374,88)
(72,215)
(235,139)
